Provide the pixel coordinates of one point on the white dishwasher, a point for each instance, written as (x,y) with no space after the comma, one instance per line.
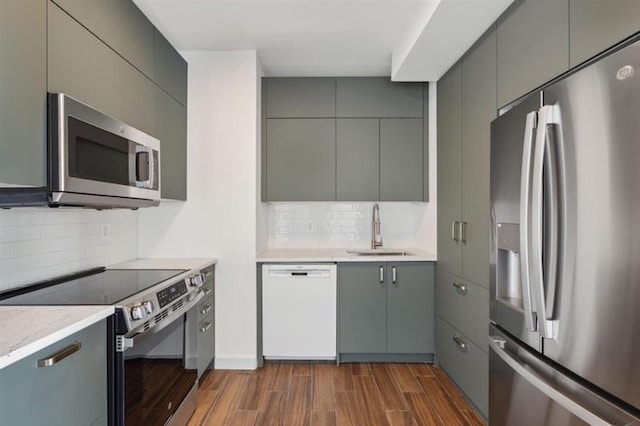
(299,304)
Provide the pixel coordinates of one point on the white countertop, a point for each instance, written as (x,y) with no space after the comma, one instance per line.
(166,263)
(339,255)
(25,330)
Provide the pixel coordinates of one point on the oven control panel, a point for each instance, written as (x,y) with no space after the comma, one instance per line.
(170,294)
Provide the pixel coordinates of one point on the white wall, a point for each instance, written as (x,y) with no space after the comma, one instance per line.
(40,243)
(219,218)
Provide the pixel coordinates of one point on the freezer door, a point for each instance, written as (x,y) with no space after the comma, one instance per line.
(526,391)
(511,137)
(596,304)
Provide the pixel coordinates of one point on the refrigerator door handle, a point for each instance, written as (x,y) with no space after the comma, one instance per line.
(546,116)
(525,214)
(498,344)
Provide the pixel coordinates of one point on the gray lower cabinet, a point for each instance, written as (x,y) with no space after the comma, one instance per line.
(595,25)
(301,159)
(358,159)
(300,97)
(401,145)
(386,308)
(465,363)
(533,46)
(368,97)
(171,129)
(71,392)
(206,323)
(23,80)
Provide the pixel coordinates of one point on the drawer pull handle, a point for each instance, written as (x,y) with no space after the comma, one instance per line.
(207,291)
(206,327)
(461,288)
(382,274)
(60,355)
(207,275)
(462,345)
(206,309)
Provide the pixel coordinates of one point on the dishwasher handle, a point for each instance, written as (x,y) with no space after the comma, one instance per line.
(294,271)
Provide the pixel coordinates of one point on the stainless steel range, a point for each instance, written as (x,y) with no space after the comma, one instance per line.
(153,350)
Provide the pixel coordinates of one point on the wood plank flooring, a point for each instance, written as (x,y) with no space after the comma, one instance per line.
(318,394)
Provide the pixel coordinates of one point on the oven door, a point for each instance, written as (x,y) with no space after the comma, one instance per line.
(93,154)
(157,373)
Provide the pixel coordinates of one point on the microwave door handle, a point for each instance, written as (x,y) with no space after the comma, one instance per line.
(525,214)
(140,150)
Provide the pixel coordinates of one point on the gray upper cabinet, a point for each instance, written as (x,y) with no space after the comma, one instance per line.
(596,25)
(71,392)
(401,175)
(358,159)
(410,308)
(23,80)
(170,69)
(301,159)
(478,110)
(293,97)
(533,46)
(119,24)
(450,169)
(171,129)
(362,300)
(377,97)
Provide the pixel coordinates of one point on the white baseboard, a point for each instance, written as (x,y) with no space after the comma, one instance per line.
(236,363)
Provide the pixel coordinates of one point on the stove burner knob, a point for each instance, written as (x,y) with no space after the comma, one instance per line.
(149,306)
(138,312)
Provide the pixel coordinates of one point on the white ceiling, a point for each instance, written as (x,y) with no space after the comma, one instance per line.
(330,37)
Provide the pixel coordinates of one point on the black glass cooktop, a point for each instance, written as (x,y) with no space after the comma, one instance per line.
(105,287)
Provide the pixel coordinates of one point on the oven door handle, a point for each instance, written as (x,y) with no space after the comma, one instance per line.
(134,337)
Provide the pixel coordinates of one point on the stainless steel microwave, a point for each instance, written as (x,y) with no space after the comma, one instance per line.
(97,161)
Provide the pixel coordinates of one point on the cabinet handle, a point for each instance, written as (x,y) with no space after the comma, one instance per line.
(207,275)
(454,231)
(463,232)
(393,275)
(206,309)
(60,355)
(462,289)
(206,327)
(462,345)
(381,274)
(207,291)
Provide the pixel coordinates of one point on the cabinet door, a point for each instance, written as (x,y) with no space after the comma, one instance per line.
(291,97)
(71,392)
(478,110)
(137,98)
(595,25)
(170,69)
(119,24)
(449,167)
(358,159)
(301,160)
(401,145)
(377,97)
(23,79)
(533,46)
(362,307)
(171,129)
(206,339)
(410,308)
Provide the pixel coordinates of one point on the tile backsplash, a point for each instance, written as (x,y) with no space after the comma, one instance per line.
(38,244)
(348,225)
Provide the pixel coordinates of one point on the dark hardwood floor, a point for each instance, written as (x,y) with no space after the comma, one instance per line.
(323,394)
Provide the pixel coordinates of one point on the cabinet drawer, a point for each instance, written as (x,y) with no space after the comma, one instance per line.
(206,342)
(205,307)
(464,305)
(469,368)
(73,391)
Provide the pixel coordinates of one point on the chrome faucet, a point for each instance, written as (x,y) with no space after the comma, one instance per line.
(376,237)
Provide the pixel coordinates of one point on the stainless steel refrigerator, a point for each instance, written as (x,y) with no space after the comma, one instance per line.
(565,250)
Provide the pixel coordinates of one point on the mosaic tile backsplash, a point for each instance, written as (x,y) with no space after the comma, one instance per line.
(342,225)
(38,244)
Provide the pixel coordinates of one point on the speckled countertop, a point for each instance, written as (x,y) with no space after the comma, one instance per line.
(339,255)
(25,330)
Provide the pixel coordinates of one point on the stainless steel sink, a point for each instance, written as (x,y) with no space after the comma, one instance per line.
(380,252)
